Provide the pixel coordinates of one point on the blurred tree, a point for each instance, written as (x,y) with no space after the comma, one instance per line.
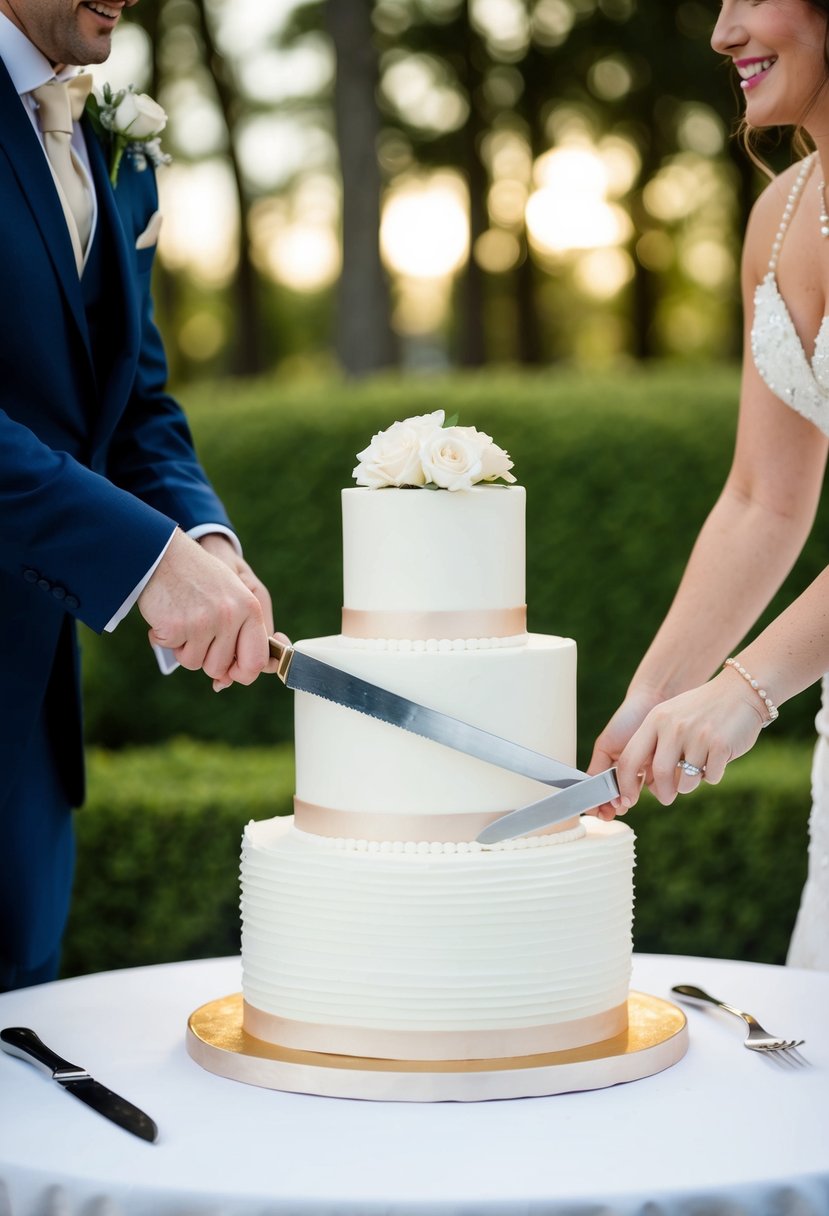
(445,47)
(639,70)
(248,358)
(432,84)
(473,64)
(637,65)
(364,339)
(168,23)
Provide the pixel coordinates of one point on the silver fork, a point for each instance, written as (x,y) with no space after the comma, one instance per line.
(757,1039)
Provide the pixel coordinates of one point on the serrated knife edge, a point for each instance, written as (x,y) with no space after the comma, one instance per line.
(305,673)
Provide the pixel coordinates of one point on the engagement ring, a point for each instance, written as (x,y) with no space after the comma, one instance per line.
(691,769)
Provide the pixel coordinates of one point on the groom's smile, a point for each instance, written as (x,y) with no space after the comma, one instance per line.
(68,31)
(108,12)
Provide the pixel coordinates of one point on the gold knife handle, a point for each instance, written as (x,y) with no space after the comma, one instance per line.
(283,653)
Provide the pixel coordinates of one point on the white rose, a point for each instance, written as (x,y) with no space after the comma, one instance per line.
(452,459)
(495,462)
(392,458)
(426,424)
(138,116)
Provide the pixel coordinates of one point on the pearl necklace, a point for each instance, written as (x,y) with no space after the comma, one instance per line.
(824,218)
(788,210)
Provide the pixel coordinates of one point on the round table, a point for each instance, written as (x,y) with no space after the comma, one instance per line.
(724,1130)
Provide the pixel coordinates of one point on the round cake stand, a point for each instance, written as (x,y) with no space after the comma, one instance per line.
(656,1038)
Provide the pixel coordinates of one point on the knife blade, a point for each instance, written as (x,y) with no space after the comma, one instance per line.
(304,673)
(555,808)
(22,1042)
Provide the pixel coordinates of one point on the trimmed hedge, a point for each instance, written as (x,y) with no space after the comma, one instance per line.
(620,470)
(158,846)
(717,875)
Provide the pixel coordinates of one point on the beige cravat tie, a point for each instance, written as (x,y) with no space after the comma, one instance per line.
(60,104)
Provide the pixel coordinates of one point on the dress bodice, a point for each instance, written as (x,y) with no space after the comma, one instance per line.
(776,347)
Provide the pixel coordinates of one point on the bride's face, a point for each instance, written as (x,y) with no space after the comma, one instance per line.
(779,50)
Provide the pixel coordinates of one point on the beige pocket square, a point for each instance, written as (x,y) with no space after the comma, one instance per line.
(149,236)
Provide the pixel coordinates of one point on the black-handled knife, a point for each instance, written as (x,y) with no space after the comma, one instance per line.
(22,1042)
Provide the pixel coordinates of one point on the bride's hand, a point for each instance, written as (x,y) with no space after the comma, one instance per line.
(614,739)
(689,739)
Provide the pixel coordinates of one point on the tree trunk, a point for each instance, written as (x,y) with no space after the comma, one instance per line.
(645,285)
(472,329)
(364,339)
(248,358)
(530,343)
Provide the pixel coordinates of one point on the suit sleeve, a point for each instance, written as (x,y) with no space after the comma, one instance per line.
(69,530)
(152,454)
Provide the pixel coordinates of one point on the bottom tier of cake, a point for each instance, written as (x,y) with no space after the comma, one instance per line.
(402,952)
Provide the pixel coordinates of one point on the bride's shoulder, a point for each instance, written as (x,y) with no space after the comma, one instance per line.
(766,218)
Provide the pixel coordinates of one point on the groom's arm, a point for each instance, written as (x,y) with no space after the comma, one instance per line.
(70,529)
(152,455)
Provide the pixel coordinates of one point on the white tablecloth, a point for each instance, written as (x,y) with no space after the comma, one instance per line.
(723,1132)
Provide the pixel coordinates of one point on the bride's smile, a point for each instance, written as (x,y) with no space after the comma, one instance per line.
(778,48)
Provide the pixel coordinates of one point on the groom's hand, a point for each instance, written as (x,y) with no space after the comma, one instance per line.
(205,604)
(219,545)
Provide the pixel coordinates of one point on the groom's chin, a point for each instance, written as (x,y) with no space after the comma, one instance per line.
(93,34)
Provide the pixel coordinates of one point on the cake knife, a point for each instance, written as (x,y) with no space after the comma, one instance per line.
(577,792)
(23,1042)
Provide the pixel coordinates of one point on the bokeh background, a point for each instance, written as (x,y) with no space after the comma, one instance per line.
(427,184)
(529,213)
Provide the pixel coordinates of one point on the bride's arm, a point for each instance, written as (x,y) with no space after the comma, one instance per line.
(744,551)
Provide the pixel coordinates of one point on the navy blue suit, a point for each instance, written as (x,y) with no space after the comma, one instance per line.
(97,466)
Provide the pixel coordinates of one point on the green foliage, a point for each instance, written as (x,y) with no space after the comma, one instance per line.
(717,875)
(158,843)
(620,472)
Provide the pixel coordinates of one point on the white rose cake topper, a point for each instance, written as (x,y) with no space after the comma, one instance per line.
(133,122)
(423,451)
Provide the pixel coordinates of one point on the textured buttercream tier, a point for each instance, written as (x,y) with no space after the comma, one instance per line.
(474,942)
(348,762)
(411,555)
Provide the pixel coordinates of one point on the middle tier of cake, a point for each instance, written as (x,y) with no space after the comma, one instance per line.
(358,778)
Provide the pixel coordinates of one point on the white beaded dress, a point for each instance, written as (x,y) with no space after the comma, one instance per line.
(782,362)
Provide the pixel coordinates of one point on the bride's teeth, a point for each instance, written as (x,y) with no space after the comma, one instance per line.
(754,69)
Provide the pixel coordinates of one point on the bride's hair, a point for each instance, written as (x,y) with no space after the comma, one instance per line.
(802,143)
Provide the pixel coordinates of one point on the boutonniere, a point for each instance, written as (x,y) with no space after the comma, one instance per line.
(133,122)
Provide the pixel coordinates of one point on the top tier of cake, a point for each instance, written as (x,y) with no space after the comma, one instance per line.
(424,564)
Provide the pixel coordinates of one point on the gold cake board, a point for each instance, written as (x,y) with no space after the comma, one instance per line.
(656,1038)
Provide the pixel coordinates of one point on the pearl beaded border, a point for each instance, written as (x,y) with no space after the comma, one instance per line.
(432,645)
(771,708)
(421,848)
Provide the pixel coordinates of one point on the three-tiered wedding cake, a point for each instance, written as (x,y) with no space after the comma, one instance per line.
(373,924)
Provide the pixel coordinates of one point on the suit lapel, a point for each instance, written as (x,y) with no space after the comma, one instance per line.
(31,169)
(119,278)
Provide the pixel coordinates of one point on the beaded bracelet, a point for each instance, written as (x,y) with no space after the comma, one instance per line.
(772,709)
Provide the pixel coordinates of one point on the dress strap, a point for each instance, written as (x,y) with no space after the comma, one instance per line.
(788,210)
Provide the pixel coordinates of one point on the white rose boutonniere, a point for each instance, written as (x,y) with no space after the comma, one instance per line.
(423,451)
(133,122)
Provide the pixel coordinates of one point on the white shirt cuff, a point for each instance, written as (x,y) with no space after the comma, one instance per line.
(132,598)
